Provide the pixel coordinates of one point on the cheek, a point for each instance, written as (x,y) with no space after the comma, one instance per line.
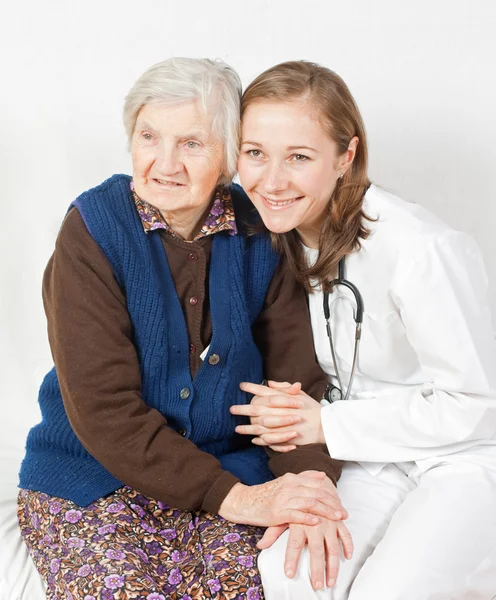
(142,159)
(315,183)
(204,170)
(247,174)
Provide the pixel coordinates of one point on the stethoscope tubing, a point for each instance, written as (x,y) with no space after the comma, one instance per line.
(358,317)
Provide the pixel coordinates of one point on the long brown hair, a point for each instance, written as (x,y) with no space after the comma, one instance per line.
(330,98)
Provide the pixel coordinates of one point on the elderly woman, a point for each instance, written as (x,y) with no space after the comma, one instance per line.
(135,484)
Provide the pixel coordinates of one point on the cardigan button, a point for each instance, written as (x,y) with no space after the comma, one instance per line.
(182,432)
(193,257)
(193,300)
(185,393)
(213,359)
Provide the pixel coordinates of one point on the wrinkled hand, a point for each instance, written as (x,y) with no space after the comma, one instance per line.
(325,540)
(282,416)
(291,498)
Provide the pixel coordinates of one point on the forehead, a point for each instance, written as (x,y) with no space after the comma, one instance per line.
(176,118)
(292,119)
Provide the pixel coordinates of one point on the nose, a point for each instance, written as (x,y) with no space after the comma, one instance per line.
(276,179)
(169,160)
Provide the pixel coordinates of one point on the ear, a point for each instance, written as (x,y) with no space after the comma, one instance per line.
(349,156)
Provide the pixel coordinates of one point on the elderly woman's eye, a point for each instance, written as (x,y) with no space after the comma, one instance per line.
(147,136)
(192,145)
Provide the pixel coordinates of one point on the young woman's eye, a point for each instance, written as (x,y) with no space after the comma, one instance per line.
(299,158)
(254,153)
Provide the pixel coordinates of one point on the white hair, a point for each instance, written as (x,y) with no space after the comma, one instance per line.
(214,83)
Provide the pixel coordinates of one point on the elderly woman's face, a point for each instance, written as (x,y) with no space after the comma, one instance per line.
(177,160)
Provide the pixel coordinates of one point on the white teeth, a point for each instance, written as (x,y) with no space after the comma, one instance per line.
(167,182)
(280,202)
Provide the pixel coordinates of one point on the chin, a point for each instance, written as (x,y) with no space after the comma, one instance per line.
(276,225)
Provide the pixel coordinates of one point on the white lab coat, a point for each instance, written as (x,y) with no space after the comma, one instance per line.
(419,431)
(425,385)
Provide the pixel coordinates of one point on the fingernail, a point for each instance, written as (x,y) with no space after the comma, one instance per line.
(331,582)
(318,585)
(289,572)
(338,514)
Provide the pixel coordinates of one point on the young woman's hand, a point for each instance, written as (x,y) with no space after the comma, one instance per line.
(301,498)
(282,416)
(326,541)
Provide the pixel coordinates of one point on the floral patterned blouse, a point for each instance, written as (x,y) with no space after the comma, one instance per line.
(220,218)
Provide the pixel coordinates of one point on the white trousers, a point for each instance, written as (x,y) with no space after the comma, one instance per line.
(417,536)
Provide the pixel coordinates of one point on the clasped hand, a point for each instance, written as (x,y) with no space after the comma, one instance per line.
(281,415)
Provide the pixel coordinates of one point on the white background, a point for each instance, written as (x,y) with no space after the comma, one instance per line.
(423,74)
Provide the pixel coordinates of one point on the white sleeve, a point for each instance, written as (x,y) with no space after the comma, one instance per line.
(442,300)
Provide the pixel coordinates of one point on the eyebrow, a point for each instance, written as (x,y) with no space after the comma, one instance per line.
(194,134)
(187,136)
(144,125)
(302,147)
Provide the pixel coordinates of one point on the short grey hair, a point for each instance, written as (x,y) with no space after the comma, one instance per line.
(214,83)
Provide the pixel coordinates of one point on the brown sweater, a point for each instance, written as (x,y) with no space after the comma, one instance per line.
(91,339)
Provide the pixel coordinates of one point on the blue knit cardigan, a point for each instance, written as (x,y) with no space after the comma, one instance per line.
(241,268)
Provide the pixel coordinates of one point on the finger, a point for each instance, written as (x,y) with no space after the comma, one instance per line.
(287,448)
(283,437)
(296,543)
(247,410)
(267,422)
(289,388)
(256,429)
(331,488)
(270,536)
(283,402)
(316,501)
(346,540)
(317,553)
(332,558)
(273,422)
(257,390)
(278,436)
(260,410)
(307,502)
(280,400)
(298,517)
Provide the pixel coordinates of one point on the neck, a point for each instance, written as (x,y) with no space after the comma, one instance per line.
(309,236)
(187,223)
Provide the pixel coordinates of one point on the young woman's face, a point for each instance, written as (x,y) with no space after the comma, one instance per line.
(288,166)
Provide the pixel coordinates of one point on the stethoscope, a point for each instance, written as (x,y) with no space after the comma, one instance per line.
(333,392)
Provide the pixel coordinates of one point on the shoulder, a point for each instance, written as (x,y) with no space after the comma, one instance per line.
(113,186)
(405,236)
(406,227)
(111,196)
(400,218)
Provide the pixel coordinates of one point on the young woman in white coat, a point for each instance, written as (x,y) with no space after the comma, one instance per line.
(416,425)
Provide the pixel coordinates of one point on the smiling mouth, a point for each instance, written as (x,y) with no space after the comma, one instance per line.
(280,203)
(168,183)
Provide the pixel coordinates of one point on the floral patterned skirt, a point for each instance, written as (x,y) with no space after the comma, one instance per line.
(127,546)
